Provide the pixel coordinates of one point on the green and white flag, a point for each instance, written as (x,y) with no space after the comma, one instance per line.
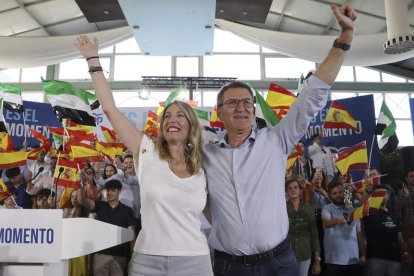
(12,97)
(202,117)
(3,126)
(264,111)
(70,102)
(386,127)
(176,95)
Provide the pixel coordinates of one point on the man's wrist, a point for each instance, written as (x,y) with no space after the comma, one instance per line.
(346,36)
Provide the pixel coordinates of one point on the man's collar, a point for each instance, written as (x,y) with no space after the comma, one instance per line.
(252,137)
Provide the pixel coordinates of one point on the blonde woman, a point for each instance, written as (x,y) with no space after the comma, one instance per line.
(172,183)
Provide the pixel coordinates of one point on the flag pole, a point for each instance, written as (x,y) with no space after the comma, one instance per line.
(14,201)
(54,182)
(370,151)
(24,126)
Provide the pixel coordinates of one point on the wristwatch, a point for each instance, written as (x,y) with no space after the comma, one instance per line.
(318,258)
(342,46)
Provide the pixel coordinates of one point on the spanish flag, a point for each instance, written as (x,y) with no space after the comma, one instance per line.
(280,100)
(110,150)
(69,175)
(293,157)
(44,142)
(376,198)
(339,117)
(151,126)
(6,142)
(291,160)
(4,192)
(109,134)
(72,126)
(12,158)
(74,134)
(353,158)
(359,212)
(65,198)
(84,153)
(360,186)
(214,119)
(34,153)
(373,202)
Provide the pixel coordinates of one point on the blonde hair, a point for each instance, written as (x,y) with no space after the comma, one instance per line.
(194,143)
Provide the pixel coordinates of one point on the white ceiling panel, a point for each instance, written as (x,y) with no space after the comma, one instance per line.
(7,4)
(55,11)
(79,26)
(375,7)
(35,32)
(293,26)
(314,12)
(16,21)
(369,25)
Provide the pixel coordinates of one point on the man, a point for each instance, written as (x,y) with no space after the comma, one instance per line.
(130,194)
(17,184)
(34,166)
(302,168)
(45,181)
(385,243)
(111,261)
(322,157)
(405,199)
(245,171)
(342,242)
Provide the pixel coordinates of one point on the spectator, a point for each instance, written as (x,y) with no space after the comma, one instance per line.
(405,203)
(87,178)
(322,157)
(303,234)
(80,266)
(384,240)
(44,199)
(17,184)
(9,202)
(45,180)
(342,242)
(35,165)
(302,168)
(111,261)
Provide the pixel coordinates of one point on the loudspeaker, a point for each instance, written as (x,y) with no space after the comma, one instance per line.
(407,156)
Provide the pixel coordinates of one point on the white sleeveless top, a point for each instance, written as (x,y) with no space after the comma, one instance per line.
(170,207)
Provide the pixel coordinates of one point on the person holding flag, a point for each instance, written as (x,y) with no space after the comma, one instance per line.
(172,182)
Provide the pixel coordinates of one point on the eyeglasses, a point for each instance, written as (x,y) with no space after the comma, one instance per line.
(233,103)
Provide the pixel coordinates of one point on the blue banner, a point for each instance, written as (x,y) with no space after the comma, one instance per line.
(36,116)
(363,110)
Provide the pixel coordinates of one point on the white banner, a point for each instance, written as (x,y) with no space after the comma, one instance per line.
(30,236)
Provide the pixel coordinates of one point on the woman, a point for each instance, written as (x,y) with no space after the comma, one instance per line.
(319,190)
(303,233)
(80,266)
(172,183)
(87,177)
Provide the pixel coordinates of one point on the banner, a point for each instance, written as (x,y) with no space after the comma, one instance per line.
(363,110)
(37,117)
(31,236)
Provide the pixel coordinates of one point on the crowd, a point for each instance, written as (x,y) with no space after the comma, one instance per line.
(259,226)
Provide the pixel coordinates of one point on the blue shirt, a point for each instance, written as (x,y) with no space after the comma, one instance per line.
(246,184)
(340,242)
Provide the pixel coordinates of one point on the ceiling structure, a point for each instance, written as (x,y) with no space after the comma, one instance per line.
(62,18)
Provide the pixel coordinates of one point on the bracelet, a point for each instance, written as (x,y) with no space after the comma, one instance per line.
(95,69)
(92,57)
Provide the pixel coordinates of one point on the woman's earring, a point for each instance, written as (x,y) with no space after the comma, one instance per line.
(189,147)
